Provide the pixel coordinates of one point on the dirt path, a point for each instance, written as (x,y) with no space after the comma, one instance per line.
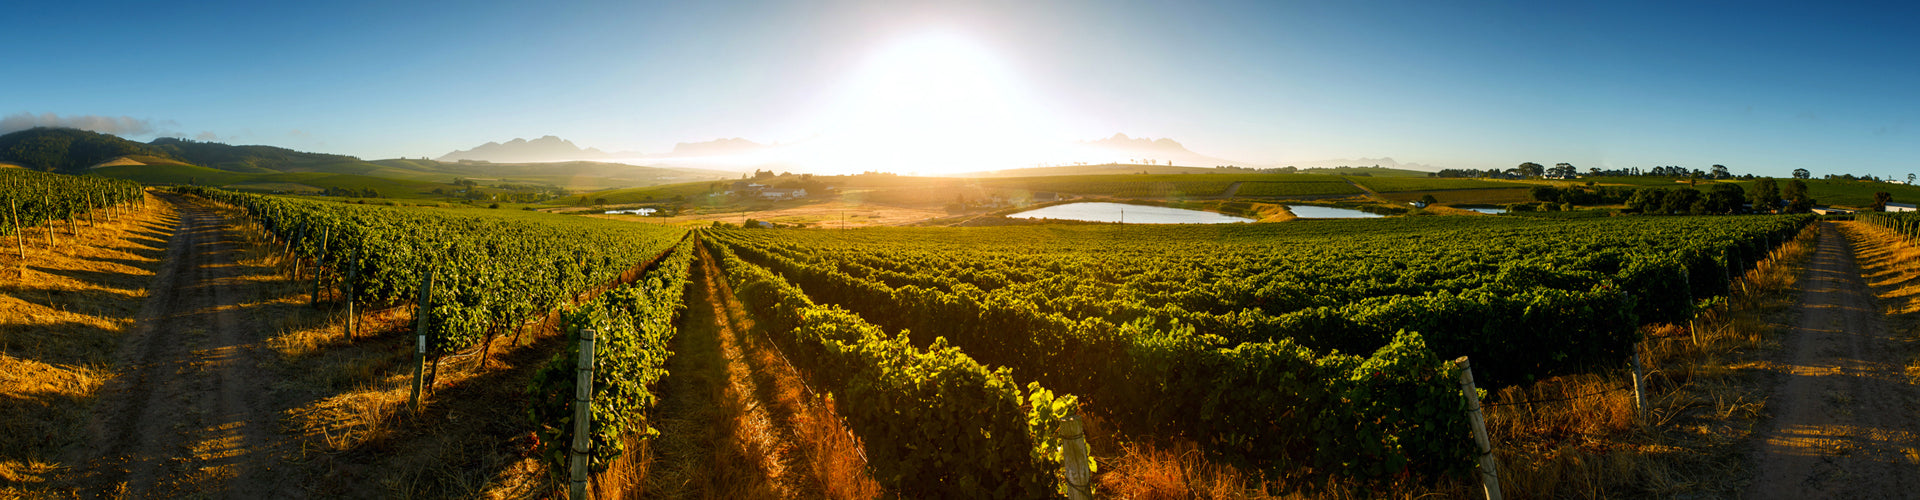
(1232,189)
(736,421)
(1370,193)
(1843,410)
(191,415)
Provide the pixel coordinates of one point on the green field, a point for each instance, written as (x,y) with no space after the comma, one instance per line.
(1639,181)
(1397,184)
(1852,194)
(1366,172)
(268,181)
(1259,189)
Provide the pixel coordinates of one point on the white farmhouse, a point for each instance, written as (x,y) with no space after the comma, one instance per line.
(782,194)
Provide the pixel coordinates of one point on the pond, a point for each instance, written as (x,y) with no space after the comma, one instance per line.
(1489,211)
(1316,212)
(1131,214)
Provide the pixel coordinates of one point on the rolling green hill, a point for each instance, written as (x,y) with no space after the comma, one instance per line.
(269,181)
(1852,194)
(269,168)
(68,150)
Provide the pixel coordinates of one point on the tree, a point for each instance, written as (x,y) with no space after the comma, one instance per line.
(1880,200)
(1530,169)
(1428,199)
(1765,195)
(1720,172)
(1682,201)
(1723,198)
(1545,193)
(1796,192)
(1647,201)
(1801,173)
(1564,170)
(1909,179)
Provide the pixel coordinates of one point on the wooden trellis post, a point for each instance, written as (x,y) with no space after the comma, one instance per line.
(582,417)
(1073,457)
(420,335)
(1639,401)
(1489,469)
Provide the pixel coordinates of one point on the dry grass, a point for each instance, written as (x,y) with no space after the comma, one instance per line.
(1890,265)
(737,421)
(62,313)
(345,399)
(1703,403)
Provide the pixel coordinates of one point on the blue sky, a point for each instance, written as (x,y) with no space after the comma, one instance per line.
(1760,88)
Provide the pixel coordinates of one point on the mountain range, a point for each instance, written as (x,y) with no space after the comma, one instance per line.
(551,148)
(170,160)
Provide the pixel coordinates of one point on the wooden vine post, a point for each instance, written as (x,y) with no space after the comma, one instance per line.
(420,309)
(18,241)
(43,202)
(314,300)
(1639,402)
(353,269)
(1489,470)
(582,418)
(1073,458)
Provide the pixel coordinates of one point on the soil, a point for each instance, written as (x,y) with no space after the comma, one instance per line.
(1842,409)
(736,420)
(190,415)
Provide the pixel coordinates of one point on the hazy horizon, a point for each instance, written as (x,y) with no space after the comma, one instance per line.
(852,86)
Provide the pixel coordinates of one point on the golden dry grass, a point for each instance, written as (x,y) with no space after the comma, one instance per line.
(1890,264)
(1703,404)
(63,312)
(737,421)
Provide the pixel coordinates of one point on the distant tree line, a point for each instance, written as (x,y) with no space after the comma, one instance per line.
(350,192)
(1767,196)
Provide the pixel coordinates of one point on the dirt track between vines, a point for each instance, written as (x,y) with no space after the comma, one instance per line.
(191,416)
(1843,410)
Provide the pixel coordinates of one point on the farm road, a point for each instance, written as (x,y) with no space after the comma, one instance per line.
(1843,411)
(190,416)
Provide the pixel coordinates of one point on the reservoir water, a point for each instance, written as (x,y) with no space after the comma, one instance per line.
(1133,214)
(1316,212)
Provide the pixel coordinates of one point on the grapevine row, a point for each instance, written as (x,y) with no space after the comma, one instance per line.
(29,198)
(491,271)
(635,327)
(936,423)
(1572,301)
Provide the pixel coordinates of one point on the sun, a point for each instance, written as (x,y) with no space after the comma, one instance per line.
(936,103)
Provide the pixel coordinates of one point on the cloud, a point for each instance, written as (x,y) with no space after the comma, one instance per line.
(123,125)
(208,136)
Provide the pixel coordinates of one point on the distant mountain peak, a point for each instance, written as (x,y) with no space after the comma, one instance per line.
(1122,141)
(716,147)
(544,148)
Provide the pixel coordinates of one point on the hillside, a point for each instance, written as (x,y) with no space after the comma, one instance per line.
(1101,169)
(68,150)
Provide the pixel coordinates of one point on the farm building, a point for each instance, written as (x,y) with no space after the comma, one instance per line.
(1831,211)
(1900,207)
(782,194)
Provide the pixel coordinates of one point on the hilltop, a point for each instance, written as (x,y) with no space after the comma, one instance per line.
(170,160)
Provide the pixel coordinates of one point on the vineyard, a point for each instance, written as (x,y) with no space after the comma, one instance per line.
(1305,346)
(487,274)
(1317,187)
(1306,349)
(36,198)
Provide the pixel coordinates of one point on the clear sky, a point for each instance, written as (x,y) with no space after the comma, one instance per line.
(1761,88)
